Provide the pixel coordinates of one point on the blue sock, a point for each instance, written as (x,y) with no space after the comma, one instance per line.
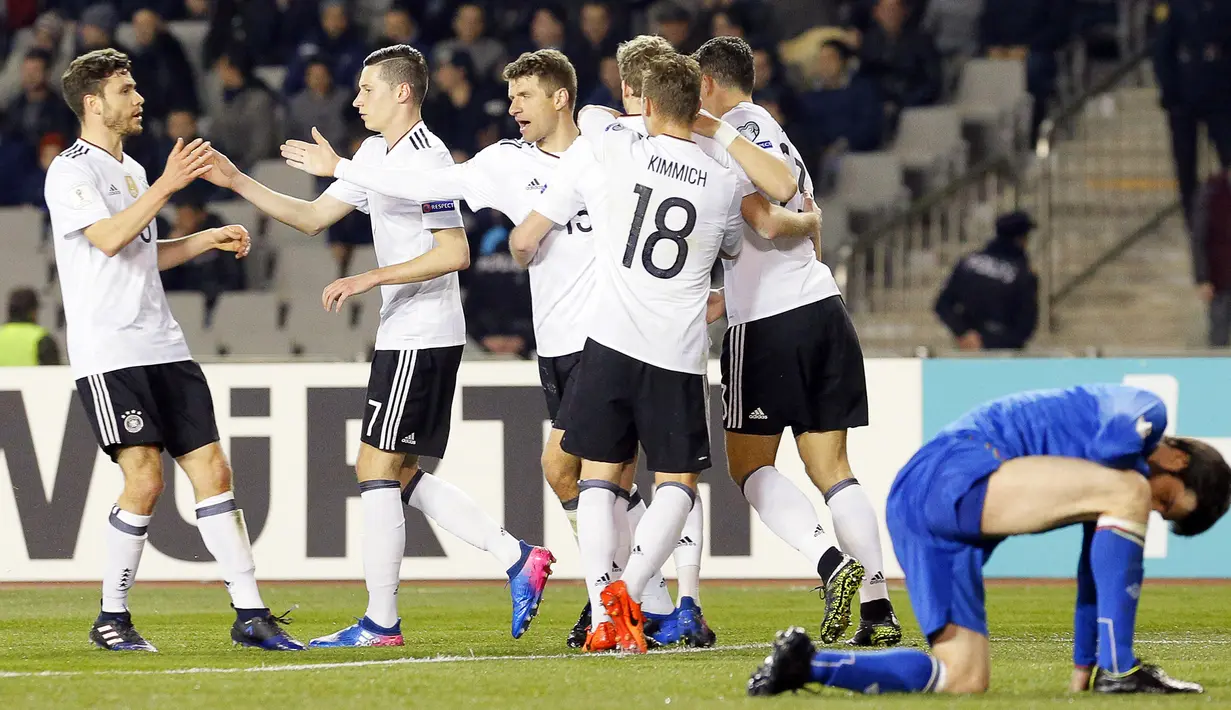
(1115,558)
(901,670)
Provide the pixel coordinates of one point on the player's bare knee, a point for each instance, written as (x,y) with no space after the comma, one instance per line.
(1131,498)
(143,489)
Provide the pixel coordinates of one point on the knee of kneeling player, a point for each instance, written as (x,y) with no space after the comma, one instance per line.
(1131,498)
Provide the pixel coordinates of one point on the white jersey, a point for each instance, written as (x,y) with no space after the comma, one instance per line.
(115,306)
(773,276)
(507,176)
(419,315)
(670,209)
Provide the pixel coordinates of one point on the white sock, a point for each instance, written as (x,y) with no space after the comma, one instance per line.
(126,536)
(570,512)
(222,527)
(656,599)
(787,512)
(384,543)
(854,522)
(624,536)
(656,536)
(688,553)
(597,536)
(457,512)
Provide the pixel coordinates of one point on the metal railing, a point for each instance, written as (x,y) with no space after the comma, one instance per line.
(1101,180)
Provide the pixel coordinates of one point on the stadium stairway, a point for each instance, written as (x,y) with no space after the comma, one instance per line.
(1112,220)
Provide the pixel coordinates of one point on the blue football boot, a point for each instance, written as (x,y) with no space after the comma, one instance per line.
(363,633)
(527,580)
(693,629)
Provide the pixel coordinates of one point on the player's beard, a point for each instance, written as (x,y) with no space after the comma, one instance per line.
(122,123)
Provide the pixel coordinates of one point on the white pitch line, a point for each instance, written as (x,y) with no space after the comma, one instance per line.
(362,664)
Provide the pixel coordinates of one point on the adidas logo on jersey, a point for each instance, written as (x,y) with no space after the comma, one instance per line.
(757,414)
(536,185)
(113,190)
(409,439)
(878,578)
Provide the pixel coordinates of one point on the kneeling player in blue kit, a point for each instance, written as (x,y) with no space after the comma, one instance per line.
(1023,464)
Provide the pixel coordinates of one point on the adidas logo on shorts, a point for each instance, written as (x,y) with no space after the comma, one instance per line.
(757,414)
(409,439)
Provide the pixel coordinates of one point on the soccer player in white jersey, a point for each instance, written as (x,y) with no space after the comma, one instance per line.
(508,176)
(671,208)
(420,247)
(578,185)
(141,390)
(791,358)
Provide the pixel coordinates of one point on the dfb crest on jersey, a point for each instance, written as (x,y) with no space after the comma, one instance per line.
(750,130)
(132,185)
(133,422)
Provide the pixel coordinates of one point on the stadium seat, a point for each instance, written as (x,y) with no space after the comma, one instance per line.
(23,229)
(246,324)
(994,106)
(304,271)
(191,34)
(273,76)
(317,333)
(280,177)
(188,307)
(929,144)
(870,185)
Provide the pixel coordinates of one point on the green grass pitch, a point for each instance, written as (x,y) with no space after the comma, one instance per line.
(459,652)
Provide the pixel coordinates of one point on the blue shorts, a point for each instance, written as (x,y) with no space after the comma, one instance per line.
(933,514)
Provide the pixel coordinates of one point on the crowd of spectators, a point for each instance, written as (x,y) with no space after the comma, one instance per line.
(876,58)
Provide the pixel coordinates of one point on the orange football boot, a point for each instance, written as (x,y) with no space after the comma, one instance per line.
(601,638)
(627,617)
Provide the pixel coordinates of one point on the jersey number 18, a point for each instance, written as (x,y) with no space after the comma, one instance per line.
(661,232)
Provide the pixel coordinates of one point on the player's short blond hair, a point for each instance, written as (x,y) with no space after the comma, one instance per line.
(633,56)
(673,84)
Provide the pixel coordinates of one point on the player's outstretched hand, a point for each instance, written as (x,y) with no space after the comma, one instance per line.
(715,306)
(223,172)
(317,158)
(185,164)
(337,292)
(706,124)
(233,237)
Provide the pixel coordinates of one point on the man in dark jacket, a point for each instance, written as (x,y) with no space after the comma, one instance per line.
(161,68)
(1211,243)
(845,109)
(1192,61)
(991,300)
(1032,31)
(902,60)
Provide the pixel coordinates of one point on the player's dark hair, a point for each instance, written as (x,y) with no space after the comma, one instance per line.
(87,74)
(552,68)
(401,64)
(1207,475)
(728,61)
(673,84)
(633,56)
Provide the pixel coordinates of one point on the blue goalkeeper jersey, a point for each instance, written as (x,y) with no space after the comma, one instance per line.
(1111,425)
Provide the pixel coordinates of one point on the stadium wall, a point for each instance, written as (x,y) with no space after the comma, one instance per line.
(292,431)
